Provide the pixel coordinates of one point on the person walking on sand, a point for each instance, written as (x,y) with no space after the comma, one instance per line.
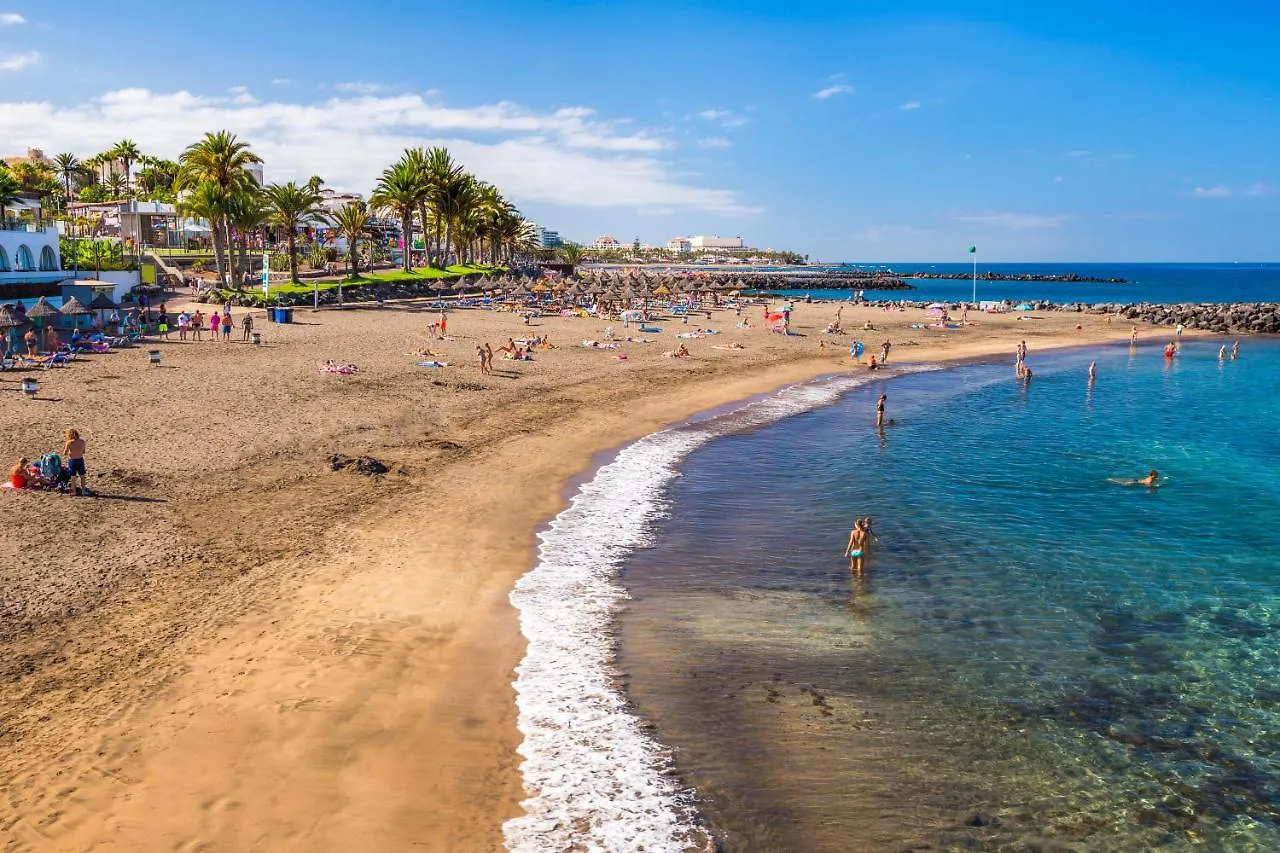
(488,351)
(880,411)
(226,328)
(884,348)
(444,324)
(1133,334)
(184,324)
(247,325)
(483,358)
(197,325)
(73,452)
(214,322)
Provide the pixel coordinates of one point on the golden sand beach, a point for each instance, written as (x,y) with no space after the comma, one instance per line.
(234,647)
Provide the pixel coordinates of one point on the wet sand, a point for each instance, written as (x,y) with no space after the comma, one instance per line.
(234,647)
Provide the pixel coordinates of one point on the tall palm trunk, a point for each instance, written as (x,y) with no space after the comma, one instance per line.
(219,247)
(448,242)
(293,256)
(405,221)
(426,237)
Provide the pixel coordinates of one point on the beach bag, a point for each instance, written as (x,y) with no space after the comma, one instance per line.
(50,467)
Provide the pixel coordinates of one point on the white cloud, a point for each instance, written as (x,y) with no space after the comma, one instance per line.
(832,91)
(357,88)
(568,157)
(11,19)
(1254,190)
(714,142)
(910,105)
(724,118)
(19,61)
(281,81)
(1015,221)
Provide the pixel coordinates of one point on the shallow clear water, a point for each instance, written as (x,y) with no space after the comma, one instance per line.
(1036,653)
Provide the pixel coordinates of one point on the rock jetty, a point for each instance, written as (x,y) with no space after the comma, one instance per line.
(1018,276)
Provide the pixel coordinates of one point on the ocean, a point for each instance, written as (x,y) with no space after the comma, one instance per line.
(1162,283)
(1037,658)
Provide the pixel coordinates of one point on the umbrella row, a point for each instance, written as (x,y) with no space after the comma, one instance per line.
(73,307)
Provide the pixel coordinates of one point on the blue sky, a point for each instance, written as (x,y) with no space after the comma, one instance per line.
(848,131)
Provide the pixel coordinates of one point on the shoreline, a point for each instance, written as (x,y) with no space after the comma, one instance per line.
(399,615)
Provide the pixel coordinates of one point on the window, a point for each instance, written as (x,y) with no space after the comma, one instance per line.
(24,262)
(4,260)
(48,260)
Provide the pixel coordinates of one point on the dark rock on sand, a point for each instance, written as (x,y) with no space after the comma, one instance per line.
(366,465)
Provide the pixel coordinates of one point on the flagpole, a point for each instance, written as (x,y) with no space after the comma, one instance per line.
(973,250)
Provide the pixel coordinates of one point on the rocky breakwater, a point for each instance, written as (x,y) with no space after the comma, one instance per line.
(1017,276)
(1240,317)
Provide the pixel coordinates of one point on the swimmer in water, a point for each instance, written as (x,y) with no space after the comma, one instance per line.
(1151,481)
(1093,370)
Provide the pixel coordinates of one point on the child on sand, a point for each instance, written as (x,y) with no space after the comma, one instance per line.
(73,452)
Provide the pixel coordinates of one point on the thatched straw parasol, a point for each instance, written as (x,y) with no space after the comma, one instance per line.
(540,287)
(10,319)
(661,290)
(42,310)
(74,308)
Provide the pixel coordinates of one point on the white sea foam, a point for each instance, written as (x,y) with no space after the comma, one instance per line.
(596,780)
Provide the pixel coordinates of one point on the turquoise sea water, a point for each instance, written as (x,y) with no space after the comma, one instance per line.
(1164,283)
(1037,656)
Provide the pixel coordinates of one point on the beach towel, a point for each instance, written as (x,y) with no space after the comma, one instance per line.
(652,330)
(433,364)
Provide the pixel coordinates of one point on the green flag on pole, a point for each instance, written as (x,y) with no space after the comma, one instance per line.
(973,250)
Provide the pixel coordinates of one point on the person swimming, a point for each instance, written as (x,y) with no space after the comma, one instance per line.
(1151,481)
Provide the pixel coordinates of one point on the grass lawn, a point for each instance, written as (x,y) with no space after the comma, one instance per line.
(424,275)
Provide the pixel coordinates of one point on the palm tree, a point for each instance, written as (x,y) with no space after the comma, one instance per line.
(8,192)
(117,186)
(399,190)
(127,152)
(571,254)
(219,160)
(290,205)
(67,166)
(447,184)
(247,213)
(351,220)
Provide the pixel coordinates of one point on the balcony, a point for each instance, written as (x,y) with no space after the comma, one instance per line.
(23,225)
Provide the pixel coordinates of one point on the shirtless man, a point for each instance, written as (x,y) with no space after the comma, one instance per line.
(880,411)
(74,454)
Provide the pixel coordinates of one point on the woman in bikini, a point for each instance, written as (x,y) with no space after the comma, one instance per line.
(856,549)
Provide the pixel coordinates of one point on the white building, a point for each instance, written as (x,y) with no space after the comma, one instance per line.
(715,241)
(30,266)
(680,244)
(606,242)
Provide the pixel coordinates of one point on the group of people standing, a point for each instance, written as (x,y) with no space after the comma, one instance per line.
(193,324)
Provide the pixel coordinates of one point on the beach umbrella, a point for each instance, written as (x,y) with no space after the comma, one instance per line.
(42,310)
(10,320)
(74,308)
(540,287)
(102,303)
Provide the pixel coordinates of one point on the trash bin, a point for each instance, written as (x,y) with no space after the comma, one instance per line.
(285,315)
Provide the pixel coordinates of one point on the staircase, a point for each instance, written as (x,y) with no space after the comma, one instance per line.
(164,267)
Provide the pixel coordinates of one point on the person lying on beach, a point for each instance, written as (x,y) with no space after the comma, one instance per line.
(682,352)
(734,345)
(1151,481)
